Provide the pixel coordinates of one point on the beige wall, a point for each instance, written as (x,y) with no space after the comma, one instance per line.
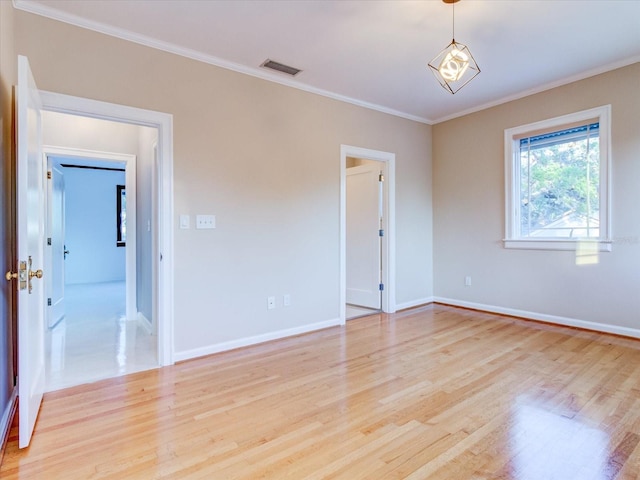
(263,158)
(469,211)
(84,133)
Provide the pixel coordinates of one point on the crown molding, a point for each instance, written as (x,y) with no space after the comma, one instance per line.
(548,86)
(75,20)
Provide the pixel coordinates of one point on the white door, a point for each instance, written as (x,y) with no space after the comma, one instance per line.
(55,243)
(30,236)
(364,212)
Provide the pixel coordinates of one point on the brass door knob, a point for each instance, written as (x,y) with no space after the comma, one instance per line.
(31,274)
(37,273)
(11,275)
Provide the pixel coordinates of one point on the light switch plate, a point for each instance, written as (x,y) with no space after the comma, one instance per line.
(205,221)
(184,222)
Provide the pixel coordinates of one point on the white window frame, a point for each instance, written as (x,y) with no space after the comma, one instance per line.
(512,137)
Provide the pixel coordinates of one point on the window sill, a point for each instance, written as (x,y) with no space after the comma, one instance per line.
(546,244)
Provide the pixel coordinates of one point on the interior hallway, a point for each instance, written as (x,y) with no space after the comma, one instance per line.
(94,340)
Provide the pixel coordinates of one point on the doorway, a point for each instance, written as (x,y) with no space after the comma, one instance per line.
(94,314)
(93,177)
(156,237)
(31,103)
(365,223)
(367,272)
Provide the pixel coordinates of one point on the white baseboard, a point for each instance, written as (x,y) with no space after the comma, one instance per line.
(145,323)
(247,341)
(565,321)
(414,303)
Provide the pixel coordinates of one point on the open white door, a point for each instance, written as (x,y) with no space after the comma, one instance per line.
(30,236)
(363,214)
(56,249)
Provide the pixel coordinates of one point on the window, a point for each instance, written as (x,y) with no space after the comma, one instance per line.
(557,178)
(121,215)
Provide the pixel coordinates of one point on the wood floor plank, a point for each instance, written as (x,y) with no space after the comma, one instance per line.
(432,393)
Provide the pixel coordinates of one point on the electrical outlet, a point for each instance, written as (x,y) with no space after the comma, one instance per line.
(205,221)
(467,281)
(286,300)
(271,303)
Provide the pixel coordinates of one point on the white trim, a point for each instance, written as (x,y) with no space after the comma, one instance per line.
(254,340)
(564,244)
(414,303)
(130,180)
(145,323)
(85,154)
(46,11)
(554,319)
(163,122)
(512,181)
(542,88)
(389,240)
(155,221)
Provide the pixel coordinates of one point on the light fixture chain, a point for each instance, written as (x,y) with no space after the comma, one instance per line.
(453,21)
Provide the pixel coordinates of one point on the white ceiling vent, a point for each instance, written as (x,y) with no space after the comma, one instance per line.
(280,67)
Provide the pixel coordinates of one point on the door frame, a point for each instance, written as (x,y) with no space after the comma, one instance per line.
(164,260)
(129,160)
(50,167)
(388,240)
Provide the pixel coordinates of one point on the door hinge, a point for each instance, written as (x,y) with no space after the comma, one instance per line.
(48,302)
(49,175)
(49,241)
(381,178)
(381,286)
(381,233)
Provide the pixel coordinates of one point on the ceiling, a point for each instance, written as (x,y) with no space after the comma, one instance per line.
(375,53)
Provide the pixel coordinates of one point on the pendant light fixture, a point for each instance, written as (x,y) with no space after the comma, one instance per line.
(454,66)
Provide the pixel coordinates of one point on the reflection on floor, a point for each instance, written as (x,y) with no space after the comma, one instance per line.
(354,311)
(94,340)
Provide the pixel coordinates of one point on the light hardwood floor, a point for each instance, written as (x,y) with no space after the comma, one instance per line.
(432,393)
